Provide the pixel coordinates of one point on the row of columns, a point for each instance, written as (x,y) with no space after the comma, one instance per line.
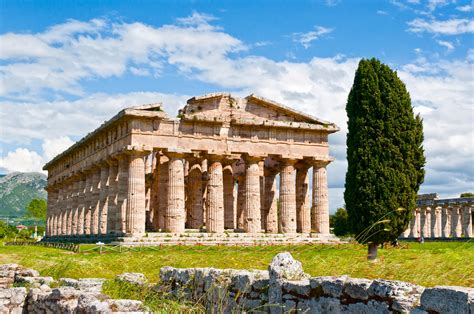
(111,197)
(441,222)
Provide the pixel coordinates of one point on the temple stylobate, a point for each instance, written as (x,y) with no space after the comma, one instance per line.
(214,168)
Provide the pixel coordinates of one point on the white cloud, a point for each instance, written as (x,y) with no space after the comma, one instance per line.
(466,8)
(22,160)
(54,146)
(306,39)
(382,12)
(449,46)
(447,27)
(59,58)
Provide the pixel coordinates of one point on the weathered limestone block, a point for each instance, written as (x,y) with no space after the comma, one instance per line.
(331,286)
(298,288)
(12,300)
(8,273)
(282,268)
(371,307)
(85,284)
(448,299)
(246,281)
(132,278)
(356,288)
(403,295)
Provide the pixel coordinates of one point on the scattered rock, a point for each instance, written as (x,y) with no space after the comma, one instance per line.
(132,278)
(448,299)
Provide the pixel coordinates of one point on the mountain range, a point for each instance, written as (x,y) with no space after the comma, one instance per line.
(17,189)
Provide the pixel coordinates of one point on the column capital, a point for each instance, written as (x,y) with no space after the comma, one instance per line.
(253,158)
(320,163)
(176,152)
(111,162)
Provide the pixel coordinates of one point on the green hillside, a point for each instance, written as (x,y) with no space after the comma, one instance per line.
(18,189)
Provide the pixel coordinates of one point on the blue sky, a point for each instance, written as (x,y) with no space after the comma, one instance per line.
(68,66)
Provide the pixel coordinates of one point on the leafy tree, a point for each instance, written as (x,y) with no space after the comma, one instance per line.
(384,153)
(340,222)
(37,209)
(468,194)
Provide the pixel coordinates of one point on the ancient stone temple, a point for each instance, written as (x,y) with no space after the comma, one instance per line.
(441,218)
(214,168)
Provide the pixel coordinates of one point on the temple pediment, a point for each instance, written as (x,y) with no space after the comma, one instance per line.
(251,110)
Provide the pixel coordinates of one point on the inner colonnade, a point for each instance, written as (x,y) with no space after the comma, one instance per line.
(213,168)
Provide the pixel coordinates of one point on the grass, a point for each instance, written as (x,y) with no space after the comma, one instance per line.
(428,264)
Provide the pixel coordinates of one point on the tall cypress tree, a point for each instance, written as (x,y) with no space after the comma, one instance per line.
(384,153)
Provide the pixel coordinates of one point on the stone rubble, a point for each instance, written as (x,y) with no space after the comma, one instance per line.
(79,296)
(284,288)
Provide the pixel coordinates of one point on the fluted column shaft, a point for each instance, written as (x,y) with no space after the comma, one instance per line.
(252,223)
(303,208)
(95,193)
(288,198)
(81,206)
(136,214)
(196,220)
(175,213)
(88,203)
(122,184)
(155,194)
(271,205)
(425,222)
(230,213)
(241,202)
(66,210)
(215,197)
(456,222)
(467,226)
(103,198)
(446,223)
(112,196)
(59,211)
(74,206)
(435,223)
(163,187)
(320,208)
(413,227)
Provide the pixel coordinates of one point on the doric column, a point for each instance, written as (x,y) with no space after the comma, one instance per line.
(456,227)
(413,227)
(95,193)
(136,194)
(320,208)
(241,202)
(103,197)
(163,193)
(195,220)
(446,222)
(155,193)
(74,207)
(271,205)
(50,211)
(418,223)
(252,223)
(287,217)
(122,185)
(205,181)
(434,223)
(467,226)
(175,213)
(87,202)
(68,210)
(263,213)
(425,222)
(303,208)
(81,204)
(215,196)
(59,211)
(112,196)
(230,213)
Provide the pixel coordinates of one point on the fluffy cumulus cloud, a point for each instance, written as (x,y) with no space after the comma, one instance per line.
(60,58)
(452,26)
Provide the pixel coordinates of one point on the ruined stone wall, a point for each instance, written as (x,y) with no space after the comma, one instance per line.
(285,288)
